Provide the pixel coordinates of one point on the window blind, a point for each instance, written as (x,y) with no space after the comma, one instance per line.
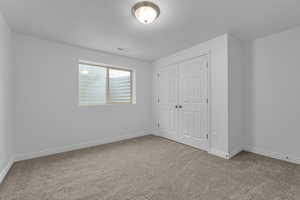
(119,86)
(92,85)
(104,85)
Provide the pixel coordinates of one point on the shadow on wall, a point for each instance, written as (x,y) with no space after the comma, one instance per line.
(248,94)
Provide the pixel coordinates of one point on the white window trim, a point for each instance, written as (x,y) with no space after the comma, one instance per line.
(107,66)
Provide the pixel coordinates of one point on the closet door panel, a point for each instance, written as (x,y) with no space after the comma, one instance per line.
(193,97)
(168,98)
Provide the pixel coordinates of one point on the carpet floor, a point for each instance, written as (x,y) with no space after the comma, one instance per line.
(150,168)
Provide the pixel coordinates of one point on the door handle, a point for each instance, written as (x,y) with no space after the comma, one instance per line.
(180,106)
(176,106)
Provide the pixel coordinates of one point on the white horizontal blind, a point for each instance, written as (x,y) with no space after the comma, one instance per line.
(120,86)
(104,85)
(92,85)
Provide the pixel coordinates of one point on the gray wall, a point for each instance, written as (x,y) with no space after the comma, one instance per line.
(5,91)
(273,95)
(236,66)
(46,113)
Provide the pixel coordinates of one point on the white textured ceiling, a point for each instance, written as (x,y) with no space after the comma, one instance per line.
(108,24)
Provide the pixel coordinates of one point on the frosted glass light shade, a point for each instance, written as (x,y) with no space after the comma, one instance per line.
(146,12)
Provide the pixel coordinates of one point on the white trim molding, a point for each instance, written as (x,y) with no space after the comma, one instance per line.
(6,169)
(26,156)
(219,153)
(275,155)
(72,147)
(235,152)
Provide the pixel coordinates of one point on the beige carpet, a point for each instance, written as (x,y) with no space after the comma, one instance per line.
(151,168)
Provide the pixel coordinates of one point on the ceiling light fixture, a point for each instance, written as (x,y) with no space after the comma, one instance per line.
(145,11)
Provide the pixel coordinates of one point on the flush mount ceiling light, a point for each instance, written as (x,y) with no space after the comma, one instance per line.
(145,11)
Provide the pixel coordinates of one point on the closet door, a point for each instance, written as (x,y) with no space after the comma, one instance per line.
(167,101)
(193,101)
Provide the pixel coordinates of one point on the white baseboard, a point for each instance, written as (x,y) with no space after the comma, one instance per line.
(72,147)
(169,137)
(210,151)
(219,153)
(216,152)
(276,155)
(235,152)
(260,151)
(155,131)
(4,172)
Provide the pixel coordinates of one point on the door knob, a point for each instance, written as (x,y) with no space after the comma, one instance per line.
(176,106)
(180,106)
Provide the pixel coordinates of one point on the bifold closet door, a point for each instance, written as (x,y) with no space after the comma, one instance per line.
(167,100)
(193,101)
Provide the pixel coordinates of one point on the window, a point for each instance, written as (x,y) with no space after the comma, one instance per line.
(104,85)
